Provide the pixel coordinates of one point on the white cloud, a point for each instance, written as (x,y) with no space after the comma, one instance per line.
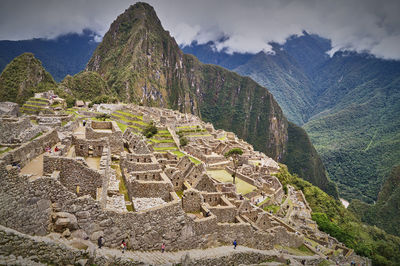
(372,25)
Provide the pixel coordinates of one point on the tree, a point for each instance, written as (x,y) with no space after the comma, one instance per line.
(103,117)
(234,154)
(150,130)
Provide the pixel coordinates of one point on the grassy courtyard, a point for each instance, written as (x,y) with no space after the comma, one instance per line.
(223,176)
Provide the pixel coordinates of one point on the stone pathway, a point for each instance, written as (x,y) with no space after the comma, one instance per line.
(171,258)
(80,132)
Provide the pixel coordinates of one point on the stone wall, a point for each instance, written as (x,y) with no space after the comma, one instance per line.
(82,146)
(192,200)
(74,174)
(26,152)
(241,176)
(10,128)
(114,137)
(144,230)
(43,250)
(149,189)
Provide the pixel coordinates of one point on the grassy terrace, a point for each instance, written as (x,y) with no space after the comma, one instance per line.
(5,149)
(166,148)
(129,114)
(194,160)
(223,176)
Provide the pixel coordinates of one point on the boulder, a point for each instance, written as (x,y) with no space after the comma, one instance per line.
(64,220)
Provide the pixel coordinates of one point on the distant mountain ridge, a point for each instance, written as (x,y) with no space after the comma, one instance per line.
(67,54)
(348,103)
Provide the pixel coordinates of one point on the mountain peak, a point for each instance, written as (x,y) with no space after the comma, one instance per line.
(22,77)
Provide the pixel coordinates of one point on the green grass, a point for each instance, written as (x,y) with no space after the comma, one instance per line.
(264,201)
(5,150)
(123,127)
(194,160)
(162,140)
(300,251)
(205,135)
(166,148)
(178,153)
(272,208)
(37,135)
(129,114)
(223,176)
(223,138)
(179,193)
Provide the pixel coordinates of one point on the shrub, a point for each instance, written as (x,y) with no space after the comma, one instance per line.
(150,130)
(183,141)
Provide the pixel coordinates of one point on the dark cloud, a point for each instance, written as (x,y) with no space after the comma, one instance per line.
(361,25)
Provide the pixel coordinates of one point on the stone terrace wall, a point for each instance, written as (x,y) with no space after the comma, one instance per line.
(26,152)
(11,128)
(18,208)
(73,174)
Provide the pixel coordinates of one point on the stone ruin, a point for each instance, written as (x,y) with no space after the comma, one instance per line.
(105,183)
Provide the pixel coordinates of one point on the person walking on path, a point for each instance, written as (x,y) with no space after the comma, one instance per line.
(162,247)
(100,241)
(234,244)
(123,246)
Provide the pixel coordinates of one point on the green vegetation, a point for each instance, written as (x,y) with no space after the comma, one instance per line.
(223,176)
(102,117)
(22,77)
(178,153)
(121,126)
(166,148)
(5,150)
(235,154)
(36,136)
(194,160)
(179,193)
(150,131)
(87,85)
(183,141)
(302,159)
(272,208)
(385,213)
(333,218)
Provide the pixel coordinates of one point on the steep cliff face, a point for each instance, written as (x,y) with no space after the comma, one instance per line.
(23,76)
(142,63)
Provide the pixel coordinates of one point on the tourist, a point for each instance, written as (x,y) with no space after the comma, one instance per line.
(234,244)
(56,149)
(163,247)
(123,246)
(100,241)
(84,122)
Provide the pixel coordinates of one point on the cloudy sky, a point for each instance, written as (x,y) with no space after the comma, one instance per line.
(361,25)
